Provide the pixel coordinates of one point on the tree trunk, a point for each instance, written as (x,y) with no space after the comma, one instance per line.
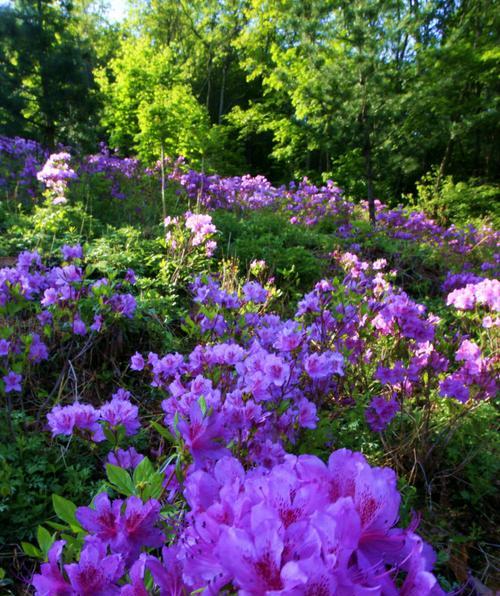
(49,128)
(222,91)
(442,165)
(367,158)
(367,155)
(163,201)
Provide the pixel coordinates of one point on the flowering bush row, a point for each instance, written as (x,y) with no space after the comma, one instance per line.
(236,511)
(44,308)
(20,161)
(303,203)
(224,505)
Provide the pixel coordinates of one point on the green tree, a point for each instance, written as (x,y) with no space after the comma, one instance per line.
(50,92)
(174,123)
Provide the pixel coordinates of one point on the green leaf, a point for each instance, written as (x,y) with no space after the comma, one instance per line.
(203,405)
(65,510)
(163,432)
(56,526)
(120,479)
(45,540)
(154,489)
(31,551)
(143,472)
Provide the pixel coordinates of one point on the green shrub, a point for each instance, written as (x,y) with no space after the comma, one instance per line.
(294,255)
(31,469)
(458,202)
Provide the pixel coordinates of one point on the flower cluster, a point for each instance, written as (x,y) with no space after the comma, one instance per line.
(303,203)
(113,168)
(228,508)
(20,161)
(187,234)
(476,377)
(56,175)
(485,293)
(122,527)
(118,412)
(301,527)
(415,226)
(60,304)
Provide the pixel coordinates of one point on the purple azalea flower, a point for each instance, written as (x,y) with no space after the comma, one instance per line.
(38,350)
(103,519)
(137,362)
(97,324)
(72,252)
(254,292)
(12,382)
(96,573)
(50,580)
(79,327)
(4,347)
(124,304)
(136,573)
(120,411)
(202,435)
(128,459)
(321,366)
(61,420)
(45,317)
(137,528)
(276,369)
(130,276)
(380,412)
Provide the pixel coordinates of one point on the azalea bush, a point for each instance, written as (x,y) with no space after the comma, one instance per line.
(53,313)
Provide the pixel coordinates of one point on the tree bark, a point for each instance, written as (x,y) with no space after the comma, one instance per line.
(222,91)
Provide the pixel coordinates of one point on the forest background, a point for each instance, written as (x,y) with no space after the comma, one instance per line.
(388,98)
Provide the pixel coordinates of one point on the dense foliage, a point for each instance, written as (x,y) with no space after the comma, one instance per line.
(379,96)
(262,394)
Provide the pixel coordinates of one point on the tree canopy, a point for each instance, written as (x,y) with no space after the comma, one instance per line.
(373,94)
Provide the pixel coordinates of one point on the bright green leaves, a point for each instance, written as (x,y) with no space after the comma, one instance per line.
(65,510)
(145,482)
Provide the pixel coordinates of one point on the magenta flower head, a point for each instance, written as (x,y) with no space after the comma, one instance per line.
(86,418)
(380,412)
(128,459)
(50,580)
(96,572)
(103,519)
(322,366)
(453,386)
(137,362)
(70,253)
(276,370)
(61,420)
(203,435)
(136,586)
(168,574)
(12,382)
(137,528)
(120,411)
